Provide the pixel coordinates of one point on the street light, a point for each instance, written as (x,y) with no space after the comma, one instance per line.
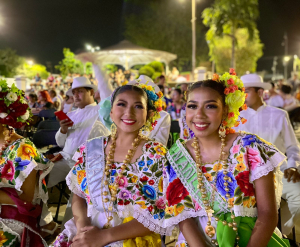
(193,20)
(286,59)
(91,48)
(30,62)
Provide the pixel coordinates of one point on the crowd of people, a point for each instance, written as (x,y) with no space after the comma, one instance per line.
(221,182)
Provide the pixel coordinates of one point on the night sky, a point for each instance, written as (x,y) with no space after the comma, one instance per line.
(40,29)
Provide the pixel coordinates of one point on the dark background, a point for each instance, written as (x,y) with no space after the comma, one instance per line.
(40,29)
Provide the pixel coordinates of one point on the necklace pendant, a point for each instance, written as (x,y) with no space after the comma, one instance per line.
(210,231)
(107,225)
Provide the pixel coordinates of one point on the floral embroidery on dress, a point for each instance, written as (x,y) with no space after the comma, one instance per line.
(15,161)
(143,187)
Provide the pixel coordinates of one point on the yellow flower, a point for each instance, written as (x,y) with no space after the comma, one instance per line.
(169,210)
(240,167)
(160,150)
(160,184)
(217,167)
(160,94)
(185,132)
(246,203)
(11,147)
(182,245)
(25,151)
(230,201)
(2,160)
(134,179)
(253,200)
(149,88)
(178,209)
(240,158)
(3,239)
(87,191)
(142,204)
(80,176)
(208,177)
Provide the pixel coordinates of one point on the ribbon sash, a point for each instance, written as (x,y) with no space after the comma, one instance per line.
(186,170)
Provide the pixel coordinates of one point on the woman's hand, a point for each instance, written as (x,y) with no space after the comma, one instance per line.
(90,236)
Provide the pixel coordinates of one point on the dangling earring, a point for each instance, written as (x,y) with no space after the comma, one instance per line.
(144,131)
(113,129)
(222,131)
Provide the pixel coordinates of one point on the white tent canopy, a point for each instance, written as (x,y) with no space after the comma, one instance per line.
(127,55)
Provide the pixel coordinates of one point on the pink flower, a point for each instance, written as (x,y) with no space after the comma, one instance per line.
(160,203)
(134,197)
(138,193)
(122,182)
(157,156)
(151,156)
(253,158)
(81,149)
(235,149)
(88,199)
(8,171)
(197,206)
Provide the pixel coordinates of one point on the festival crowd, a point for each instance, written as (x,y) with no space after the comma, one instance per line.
(213,158)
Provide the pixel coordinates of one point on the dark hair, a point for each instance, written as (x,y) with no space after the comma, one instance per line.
(162,88)
(178,90)
(217,86)
(34,96)
(88,88)
(286,89)
(162,77)
(134,88)
(48,105)
(53,91)
(67,97)
(273,84)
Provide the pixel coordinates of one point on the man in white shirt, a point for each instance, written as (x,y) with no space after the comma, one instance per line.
(273,125)
(275,99)
(85,121)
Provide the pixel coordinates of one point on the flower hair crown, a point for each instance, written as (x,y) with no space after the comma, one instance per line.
(14,110)
(155,100)
(234,99)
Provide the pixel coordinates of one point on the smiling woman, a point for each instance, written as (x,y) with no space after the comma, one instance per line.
(127,169)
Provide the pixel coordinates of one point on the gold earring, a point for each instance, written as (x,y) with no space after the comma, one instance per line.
(222,131)
(113,129)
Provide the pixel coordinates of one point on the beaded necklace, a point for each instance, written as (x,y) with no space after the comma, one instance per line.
(113,187)
(209,229)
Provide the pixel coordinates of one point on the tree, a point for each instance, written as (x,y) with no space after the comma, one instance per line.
(9,61)
(165,25)
(227,16)
(31,70)
(248,51)
(69,64)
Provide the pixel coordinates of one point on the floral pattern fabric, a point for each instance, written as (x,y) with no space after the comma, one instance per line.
(250,158)
(17,162)
(140,190)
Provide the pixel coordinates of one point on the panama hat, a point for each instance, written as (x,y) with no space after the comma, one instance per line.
(254,80)
(82,82)
(143,79)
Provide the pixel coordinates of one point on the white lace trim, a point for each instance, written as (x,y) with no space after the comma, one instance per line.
(73,186)
(7,229)
(21,224)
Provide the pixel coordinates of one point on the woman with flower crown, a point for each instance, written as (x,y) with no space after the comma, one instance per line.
(222,188)
(22,174)
(117,180)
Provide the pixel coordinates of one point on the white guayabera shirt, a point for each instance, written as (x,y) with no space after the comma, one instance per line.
(273,125)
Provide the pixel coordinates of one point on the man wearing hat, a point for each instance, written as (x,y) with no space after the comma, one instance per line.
(85,121)
(273,125)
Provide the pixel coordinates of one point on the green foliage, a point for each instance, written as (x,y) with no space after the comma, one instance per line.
(147,70)
(225,17)
(9,61)
(110,68)
(31,70)
(157,66)
(89,68)
(166,25)
(247,51)
(155,75)
(69,64)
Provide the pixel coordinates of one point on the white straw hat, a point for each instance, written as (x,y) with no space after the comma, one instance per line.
(82,82)
(254,80)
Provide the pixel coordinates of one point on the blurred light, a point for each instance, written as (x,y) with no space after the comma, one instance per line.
(30,62)
(286,58)
(97,48)
(88,47)
(295,56)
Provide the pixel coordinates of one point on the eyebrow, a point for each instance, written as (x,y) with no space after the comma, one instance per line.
(208,101)
(127,102)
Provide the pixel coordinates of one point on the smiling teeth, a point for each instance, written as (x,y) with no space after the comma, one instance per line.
(128,121)
(201,125)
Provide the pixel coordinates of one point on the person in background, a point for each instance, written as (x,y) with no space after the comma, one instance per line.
(43,98)
(33,100)
(177,107)
(273,125)
(297,95)
(274,98)
(62,94)
(97,96)
(294,82)
(290,102)
(68,103)
(37,78)
(56,100)
(23,170)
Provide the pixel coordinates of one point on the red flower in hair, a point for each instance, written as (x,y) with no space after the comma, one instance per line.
(226,91)
(230,81)
(232,71)
(230,115)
